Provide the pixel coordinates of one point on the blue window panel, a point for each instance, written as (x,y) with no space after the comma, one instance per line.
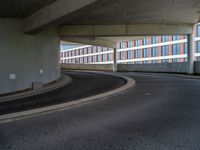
(88,58)
(154,39)
(176,60)
(130,54)
(89,50)
(165,38)
(85,51)
(104,49)
(104,57)
(121,55)
(198,58)
(154,61)
(94,58)
(198,30)
(137,62)
(165,60)
(198,47)
(129,63)
(94,49)
(145,41)
(185,48)
(109,57)
(176,37)
(176,49)
(130,44)
(165,50)
(154,51)
(145,52)
(137,43)
(146,62)
(122,45)
(137,53)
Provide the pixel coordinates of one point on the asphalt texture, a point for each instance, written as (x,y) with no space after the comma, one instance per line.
(160,113)
(83,85)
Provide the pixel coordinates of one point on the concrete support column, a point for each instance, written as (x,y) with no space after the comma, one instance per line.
(115,60)
(190,57)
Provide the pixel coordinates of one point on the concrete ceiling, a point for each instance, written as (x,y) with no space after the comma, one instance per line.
(21,8)
(137,11)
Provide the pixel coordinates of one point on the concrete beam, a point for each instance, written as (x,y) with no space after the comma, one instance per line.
(124,30)
(53,14)
(91,41)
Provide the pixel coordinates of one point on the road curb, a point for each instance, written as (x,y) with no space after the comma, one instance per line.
(178,75)
(59,107)
(64,80)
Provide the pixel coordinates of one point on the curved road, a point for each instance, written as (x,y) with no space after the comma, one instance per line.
(82,85)
(160,113)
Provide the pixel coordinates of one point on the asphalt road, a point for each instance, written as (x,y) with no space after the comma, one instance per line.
(83,85)
(160,113)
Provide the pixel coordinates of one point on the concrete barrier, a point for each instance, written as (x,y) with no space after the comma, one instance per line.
(164,67)
(95,67)
(197,67)
(180,67)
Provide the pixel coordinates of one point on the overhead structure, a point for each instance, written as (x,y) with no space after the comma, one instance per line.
(30,31)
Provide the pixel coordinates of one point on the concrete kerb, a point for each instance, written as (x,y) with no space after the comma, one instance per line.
(130,83)
(178,75)
(64,80)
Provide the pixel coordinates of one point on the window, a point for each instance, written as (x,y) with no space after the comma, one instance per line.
(165,50)
(104,57)
(176,49)
(154,39)
(176,60)
(85,60)
(130,44)
(122,56)
(89,50)
(137,53)
(77,61)
(77,52)
(73,53)
(110,57)
(104,49)
(98,58)
(94,58)
(80,51)
(198,30)
(122,45)
(94,49)
(145,62)
(145,41)
(81,60)
(145,52)
(154,61)
(154,51)
(165,38)
(198,47)
(137,62)
(165,60)
(198,58)
(130,54)
(99,49)
(85,51)
(137,42)
(175,37)
(88,59)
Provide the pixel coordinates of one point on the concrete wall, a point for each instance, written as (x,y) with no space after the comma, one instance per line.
(164,67)
(96,67)
(26,56)
(197,67)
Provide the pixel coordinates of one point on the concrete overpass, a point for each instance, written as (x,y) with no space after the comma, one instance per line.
(31,30)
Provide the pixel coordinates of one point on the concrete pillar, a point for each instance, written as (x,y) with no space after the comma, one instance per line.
(190,53)
(115,60)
